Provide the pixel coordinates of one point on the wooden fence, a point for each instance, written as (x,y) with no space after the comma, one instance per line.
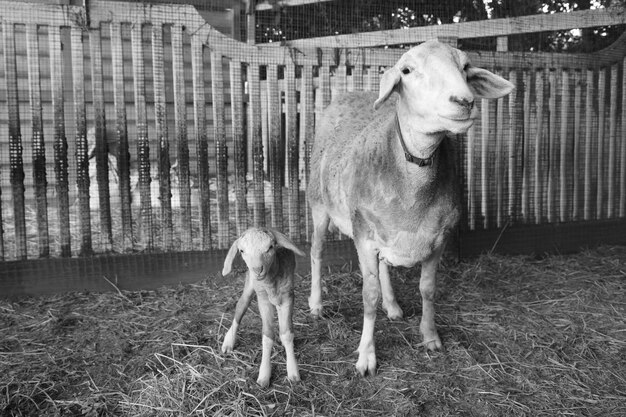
(195,136)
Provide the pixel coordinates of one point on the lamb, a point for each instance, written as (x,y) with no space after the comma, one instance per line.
(387,178)
(270,257)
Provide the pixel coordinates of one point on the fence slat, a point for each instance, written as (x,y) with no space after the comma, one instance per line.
(180,116)
(291,114)
(307,135)
(527,147)
(622,195)
(123,156)
(499,162)
(578,81)
(538,145)
(514,148)
(101,145)
(146,229)
(38,146)
(589,117)
(612,142)
(484,162)
(82,151)
(600,178)
(165,187)
(256,138)
(564,143)
(324,86)
(357,73)
(60,142)
(552,147)
(15,140)
(239,145)
(276,146)
(202,141)
(471,181)
(221,151)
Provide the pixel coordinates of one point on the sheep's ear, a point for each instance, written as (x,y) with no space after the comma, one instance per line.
(485,84)
(230,257)
(388,81)
(286,243)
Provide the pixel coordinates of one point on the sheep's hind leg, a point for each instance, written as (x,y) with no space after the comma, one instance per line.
(427,289)
(371,296)
(390,305)
(320,228)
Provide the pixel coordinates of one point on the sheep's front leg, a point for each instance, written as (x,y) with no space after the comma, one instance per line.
(285,323)
(242,306)
(390,305)
(371,295)
(267,317)
(427,290)
(320,227)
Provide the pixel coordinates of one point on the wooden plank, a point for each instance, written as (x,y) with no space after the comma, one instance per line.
(146,229)
(202,142)
(258,193)
(82,151)
(16,162)
(471,181)
(472,29)
(182,147)
(622,194)
(38,146)
(552,148)
(612,142)
(276,147)
(357,74)
(499,162)
(525,198)
(484,162)
(564,143)
(538,145)
(513,136)
(589,117)
(221,150)
(158,71)
(307,136)
(60,142)
(123,156)
(292,160)
(600,158)
(239,145)
(324,86)
(578,82)
(101,145)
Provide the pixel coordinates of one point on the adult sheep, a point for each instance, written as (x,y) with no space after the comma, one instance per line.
(385,176)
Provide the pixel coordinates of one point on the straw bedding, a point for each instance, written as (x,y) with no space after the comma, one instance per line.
(522,336)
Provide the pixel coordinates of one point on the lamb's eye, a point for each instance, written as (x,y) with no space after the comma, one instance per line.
(406,70)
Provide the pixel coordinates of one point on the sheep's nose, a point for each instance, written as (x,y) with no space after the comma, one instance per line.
(257,270)
(468,103)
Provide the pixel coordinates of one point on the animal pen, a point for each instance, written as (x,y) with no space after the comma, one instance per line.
(137,141)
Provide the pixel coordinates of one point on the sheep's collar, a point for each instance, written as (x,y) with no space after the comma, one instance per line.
(420,162)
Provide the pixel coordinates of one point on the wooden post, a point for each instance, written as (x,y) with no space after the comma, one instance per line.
(291,115)
(612,142)
(601,139)
(258,195)
(589,109)
(622,194)
(239,145)
(552,150)
(307,133)
(527,146)
(578,81)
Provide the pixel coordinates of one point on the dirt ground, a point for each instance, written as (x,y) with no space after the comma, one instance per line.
(523,336)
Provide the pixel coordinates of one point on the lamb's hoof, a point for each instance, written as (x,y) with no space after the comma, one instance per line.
(431,341)
(294,378)
(316,311)
(394,312)
(263,381)
(366,364)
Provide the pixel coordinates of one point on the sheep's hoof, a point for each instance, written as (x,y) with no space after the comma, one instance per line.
(394,312)
(366,364)
(431,339)
(316,311)
(263,381)
(294,378)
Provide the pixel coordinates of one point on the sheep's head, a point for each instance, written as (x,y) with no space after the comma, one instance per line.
(258,249)
(438,85)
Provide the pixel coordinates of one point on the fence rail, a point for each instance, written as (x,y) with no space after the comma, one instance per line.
(132,127)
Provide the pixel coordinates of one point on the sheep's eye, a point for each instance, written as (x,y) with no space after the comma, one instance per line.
(465,67)
(241,251)
(406,70)
(270,248)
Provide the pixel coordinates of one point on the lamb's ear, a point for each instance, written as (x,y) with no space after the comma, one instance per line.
(486,84)
(286,243)
(388,81)
(230,257)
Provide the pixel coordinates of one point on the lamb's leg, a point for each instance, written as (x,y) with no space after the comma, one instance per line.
(320,227)
(285,323)
(390,305)
(267,316)
(371,295)
(427,289)
(242,305)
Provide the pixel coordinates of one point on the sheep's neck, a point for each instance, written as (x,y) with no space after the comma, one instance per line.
(414,140)
(421,162)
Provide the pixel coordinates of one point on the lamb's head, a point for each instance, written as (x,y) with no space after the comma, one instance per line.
(258,247)
(438,85)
